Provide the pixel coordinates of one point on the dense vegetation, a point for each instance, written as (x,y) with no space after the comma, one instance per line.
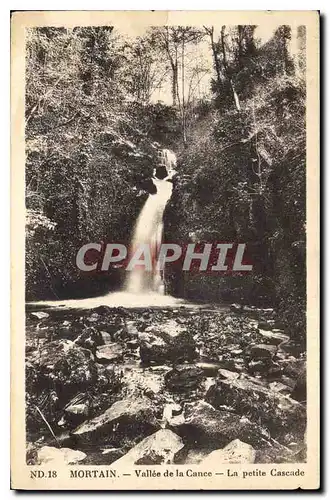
(93,127)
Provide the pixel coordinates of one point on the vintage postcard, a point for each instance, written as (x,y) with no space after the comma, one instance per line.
(165,250)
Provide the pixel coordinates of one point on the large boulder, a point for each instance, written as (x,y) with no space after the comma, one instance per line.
(125,419)
(277,412)
(66,364)
(184,378)
(274,337)
(59,456)
(236,452)
(159,448)
(260,351)
(162,346)
(202,424)
(109,352)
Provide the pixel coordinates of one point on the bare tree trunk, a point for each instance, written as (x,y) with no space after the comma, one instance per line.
(183,97)
(225,65)
(210,32)
(174,82)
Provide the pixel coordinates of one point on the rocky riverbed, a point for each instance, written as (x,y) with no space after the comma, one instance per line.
(163,385)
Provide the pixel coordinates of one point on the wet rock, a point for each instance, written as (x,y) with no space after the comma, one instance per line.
(132,344)
(170,412)
(102,456)
(159,448)
(266,325)
(191,456)
(31,454)
(236,307)
(106,338)
(59,456)
(299,392)
(294,370)
(161,346)
(76,411)
(261,351)
(274,454)
(93,318)
(102,310)
(144,381)
(236,452)
(66,364)
(227,374)
(39,315)
(128,418)
(277,412)
(184,378)
(291,347)
(161,172)
(274,337)
(131,328)
(279,387)
(204,424)
(209,369)
(259,366)
(109,353)
(90,338)
(76,408)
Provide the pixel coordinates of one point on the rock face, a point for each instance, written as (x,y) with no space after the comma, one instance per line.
(59,456)
(236,452)
(277,412)
(203,424)
(184,378)
(126,418)
(159,448)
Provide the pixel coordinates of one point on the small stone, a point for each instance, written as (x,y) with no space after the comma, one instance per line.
(227,374)
(39,315)
(77,409)
(106,337)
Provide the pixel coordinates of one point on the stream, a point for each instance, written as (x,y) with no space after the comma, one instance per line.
(140,377)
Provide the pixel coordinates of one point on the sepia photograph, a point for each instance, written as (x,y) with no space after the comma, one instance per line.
(164,320)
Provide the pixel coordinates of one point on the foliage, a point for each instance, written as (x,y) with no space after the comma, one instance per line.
(93,127)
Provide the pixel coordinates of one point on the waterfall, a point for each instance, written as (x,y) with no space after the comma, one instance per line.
(149,228)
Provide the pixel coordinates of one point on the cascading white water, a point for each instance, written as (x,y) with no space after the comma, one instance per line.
(142,288)
(149,230)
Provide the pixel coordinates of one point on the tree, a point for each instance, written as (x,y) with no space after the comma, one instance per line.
(173,41)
